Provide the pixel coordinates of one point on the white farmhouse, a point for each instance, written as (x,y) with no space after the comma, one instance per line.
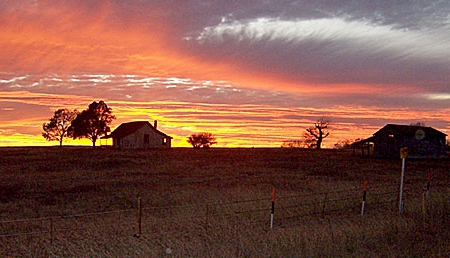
(139,135)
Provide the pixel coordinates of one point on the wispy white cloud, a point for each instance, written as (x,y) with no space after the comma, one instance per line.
(356,34)
(439,96)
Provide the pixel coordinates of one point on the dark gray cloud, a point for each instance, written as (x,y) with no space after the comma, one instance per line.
(385,43)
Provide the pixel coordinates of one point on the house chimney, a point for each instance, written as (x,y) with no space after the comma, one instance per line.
(155,124)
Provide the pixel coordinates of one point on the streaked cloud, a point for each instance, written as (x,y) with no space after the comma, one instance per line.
(358,35)
(242,117)
(437,96)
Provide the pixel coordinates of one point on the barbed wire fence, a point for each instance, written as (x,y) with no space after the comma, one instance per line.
(210,217)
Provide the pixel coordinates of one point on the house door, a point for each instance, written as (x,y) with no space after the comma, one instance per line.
(146,140)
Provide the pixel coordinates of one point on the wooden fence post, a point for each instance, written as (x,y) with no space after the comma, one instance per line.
(51,230)
(207,218)
(324,203)
(139,216)
(425,198)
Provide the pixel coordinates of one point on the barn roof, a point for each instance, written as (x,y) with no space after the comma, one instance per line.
(410,129)
(403,129)
(364,141)
(131,127)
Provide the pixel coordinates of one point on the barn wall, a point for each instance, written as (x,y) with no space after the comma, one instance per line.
(387,143)
(429,147)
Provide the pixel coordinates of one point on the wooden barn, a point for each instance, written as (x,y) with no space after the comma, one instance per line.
(139,135)
(422,142)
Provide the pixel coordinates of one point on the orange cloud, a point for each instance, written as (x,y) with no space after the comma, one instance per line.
(52,101)
(61,38)
(97,38)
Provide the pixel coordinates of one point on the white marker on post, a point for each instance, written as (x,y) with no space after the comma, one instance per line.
(273,209)
(403,156)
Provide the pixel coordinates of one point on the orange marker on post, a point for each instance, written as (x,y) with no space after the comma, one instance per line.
(273,194)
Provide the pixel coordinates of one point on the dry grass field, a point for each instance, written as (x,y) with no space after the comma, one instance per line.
(82,202)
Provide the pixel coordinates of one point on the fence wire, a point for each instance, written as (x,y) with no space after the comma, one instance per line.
(289,210)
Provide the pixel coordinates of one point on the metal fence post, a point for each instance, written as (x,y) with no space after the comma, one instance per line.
(403,156)
(364,198)
(272,213)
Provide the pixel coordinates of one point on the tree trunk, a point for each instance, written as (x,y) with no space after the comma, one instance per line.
(319,144)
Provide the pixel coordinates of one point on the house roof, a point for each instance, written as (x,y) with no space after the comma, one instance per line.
(404,129)
(410,129)
(131,127)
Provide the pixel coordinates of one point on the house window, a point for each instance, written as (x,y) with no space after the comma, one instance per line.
(146,138)
(164,141)
(391,136)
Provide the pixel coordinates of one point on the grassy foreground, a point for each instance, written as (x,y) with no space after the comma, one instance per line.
(216,203)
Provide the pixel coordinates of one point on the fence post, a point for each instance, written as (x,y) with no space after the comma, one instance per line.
(324,203)
(424,207)
(364,198)
(428,187)
(51,230)
(139,216)
(272,213)
(403,156)
(207,218)
(425,198)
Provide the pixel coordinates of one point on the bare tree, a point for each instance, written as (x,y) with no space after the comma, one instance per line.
(57,128)
(201,140)
(319,131)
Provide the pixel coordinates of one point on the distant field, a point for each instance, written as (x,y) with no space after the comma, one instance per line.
(79,201)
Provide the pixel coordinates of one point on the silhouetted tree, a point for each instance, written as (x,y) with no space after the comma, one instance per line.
(92,122)
(201,140)
(346,144)
(293,144)
(57,128)
(307,142)
(319,132)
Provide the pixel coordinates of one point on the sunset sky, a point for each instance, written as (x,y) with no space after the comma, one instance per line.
(253,73)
